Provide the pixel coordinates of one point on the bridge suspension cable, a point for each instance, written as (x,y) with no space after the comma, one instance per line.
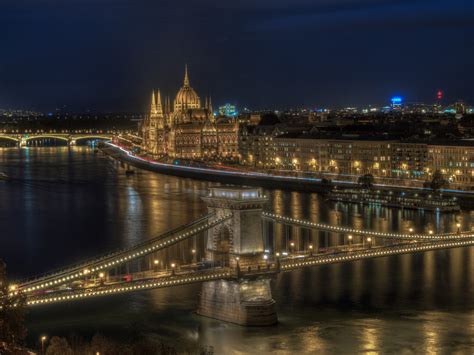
(339,229)
(123,256)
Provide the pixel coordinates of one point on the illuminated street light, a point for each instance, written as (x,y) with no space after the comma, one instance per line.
(43,339)
(459,227)
(369,241)
(349,239)
(430,232)
(410,230)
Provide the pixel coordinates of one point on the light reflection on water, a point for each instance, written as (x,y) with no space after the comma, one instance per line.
(67,204)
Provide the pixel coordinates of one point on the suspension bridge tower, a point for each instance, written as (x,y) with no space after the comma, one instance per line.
(238,244)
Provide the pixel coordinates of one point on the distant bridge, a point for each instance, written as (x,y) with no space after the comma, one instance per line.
(70,138)
(237,269)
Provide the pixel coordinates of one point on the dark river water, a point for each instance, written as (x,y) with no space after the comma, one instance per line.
(63,205)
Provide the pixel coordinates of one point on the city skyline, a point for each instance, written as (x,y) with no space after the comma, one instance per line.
(215,177)
(106,55)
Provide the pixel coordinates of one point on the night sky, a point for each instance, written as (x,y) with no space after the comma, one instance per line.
(109,54)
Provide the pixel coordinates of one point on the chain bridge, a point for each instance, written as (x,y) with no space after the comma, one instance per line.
(239,261)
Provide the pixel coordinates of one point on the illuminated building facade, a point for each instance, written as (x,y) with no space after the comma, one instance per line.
(187,129)
(228,110)
(389,161)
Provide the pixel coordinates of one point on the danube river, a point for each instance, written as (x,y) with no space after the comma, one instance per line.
(66,204)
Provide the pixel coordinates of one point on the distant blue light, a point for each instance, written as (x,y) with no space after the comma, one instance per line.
(396,100)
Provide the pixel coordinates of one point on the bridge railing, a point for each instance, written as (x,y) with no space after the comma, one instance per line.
(121,256)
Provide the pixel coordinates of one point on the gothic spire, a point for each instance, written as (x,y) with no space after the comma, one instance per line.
(153,103)
(210,106)
(186,77)
(159,107)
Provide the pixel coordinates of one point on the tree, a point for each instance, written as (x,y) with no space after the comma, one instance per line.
(437,182)
(366,181)
(12,312)
(58,346)
(103,345)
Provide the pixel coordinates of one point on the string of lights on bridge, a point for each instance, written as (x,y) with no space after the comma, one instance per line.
(330,228)
(126,256)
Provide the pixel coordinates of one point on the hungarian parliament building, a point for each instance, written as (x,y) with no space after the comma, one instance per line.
(187,129)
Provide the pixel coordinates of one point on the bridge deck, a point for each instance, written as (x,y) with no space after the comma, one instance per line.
(122,256)
(274,266)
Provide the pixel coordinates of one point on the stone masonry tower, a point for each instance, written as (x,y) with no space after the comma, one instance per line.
(237,243)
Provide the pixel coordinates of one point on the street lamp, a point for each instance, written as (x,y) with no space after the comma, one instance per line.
(369,241)
(430,232)
(410,230)
(310,249)
(173,265)
(459,227)
(265,257)
(43,339)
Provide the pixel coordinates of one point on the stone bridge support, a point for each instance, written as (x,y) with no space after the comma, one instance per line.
(237,243)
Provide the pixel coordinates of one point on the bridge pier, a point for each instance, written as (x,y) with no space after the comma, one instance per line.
(243,302)
(237,244)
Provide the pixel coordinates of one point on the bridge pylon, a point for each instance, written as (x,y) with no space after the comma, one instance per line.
(237,243)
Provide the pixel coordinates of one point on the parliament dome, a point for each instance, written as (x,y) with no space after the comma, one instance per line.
(186,97)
